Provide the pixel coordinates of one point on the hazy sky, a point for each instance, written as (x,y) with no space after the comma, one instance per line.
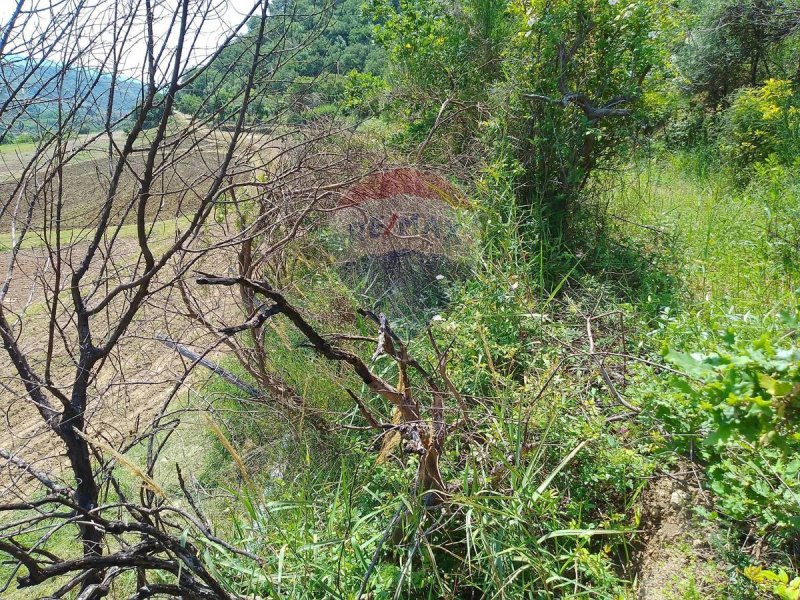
(226,15)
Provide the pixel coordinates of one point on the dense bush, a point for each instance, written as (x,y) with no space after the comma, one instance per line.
(558,89)
(736,412)
(762,122)
(364,93)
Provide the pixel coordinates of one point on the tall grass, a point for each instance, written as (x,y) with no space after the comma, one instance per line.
(544,488)
(715,234)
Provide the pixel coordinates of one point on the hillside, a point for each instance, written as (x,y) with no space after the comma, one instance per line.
(477,299)
(33,94)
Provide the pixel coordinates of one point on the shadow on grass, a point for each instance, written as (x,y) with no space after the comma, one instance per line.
(639,271)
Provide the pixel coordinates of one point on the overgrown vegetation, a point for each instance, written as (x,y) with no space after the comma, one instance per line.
(627,311)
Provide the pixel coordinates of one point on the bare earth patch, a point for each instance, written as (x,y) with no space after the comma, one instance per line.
(677,560)
(140,376)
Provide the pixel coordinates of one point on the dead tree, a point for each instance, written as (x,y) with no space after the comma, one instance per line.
(99,227)
(423,435)
(268,234)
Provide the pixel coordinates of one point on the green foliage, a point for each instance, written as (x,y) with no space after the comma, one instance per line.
(23,138)
(762,122)
(525,535)
(215,89)
(737,43)
(777,583)
(609,53)
(311,44)
(364,93)
(778,188)
(556,89)
(430,43)
(732,251)
(739,409)
(336,37)
(444,59)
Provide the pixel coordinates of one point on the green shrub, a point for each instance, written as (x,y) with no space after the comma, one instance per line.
(24,138)
(776,187)
(762,122)
(738,410)
(735,43)
(364,92)
(321,111)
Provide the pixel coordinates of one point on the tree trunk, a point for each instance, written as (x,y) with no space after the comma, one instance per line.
(86,491)
(429,478)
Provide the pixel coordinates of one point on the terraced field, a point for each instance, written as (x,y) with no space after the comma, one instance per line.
(141,372)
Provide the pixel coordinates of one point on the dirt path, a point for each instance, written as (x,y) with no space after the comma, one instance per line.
(678,559)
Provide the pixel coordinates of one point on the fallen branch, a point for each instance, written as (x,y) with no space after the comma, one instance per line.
(603,372)
(210,365)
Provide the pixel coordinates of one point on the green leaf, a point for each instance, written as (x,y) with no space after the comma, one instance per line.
(685,362)
(775,388)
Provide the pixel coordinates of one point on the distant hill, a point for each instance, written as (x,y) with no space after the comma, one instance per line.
(48,89)
(327,40)
(344,41)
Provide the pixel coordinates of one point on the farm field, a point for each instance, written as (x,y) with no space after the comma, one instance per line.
(147,372)
(14,157)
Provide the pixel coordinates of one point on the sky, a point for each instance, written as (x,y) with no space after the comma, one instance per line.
(223,16)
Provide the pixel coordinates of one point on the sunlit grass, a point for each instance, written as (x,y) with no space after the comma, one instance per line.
(159,231)
(715,235)
(17,148)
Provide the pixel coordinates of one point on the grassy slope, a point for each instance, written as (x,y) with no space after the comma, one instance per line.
(715,234)
(712,232)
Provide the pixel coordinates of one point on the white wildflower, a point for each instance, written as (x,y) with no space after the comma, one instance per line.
(439,277)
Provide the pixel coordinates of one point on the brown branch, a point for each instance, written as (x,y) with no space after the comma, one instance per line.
(409,410)
(592,112)
(40,476)
(603,372)
(425,439)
